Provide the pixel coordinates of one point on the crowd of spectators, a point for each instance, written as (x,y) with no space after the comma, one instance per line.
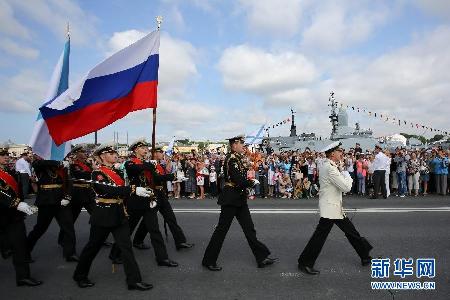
(293,174)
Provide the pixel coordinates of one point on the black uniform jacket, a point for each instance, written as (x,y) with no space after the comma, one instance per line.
(234,192)
(143,174)
(9,199)
(81,191)
(112,214)
(49,172)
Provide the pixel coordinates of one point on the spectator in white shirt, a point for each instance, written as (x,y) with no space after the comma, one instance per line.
(379,174)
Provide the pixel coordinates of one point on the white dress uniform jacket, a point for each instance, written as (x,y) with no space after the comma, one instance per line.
(332,184)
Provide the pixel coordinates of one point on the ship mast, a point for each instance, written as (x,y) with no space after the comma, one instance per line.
(333,115)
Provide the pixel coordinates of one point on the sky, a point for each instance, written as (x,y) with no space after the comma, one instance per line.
(227,67)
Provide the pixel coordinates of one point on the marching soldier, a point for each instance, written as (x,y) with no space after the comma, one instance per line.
(82,193)
(333,183)
(109,216)
(53,201)
(143,173)
(233,202)
(164,208)
(12,226)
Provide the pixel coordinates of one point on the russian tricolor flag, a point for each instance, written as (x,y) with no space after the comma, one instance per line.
(125,82)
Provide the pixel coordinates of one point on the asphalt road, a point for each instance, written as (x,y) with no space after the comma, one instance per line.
(397,227)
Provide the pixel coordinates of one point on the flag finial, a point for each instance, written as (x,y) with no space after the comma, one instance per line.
(159,20)
(68,30)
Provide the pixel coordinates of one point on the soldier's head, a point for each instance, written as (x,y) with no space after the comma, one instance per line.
(79,151)
(107,154)
(139,148)
(237,144)
(159,153)
(4,155)
(334,151)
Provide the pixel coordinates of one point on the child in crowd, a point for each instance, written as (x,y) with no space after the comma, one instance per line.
(213,181)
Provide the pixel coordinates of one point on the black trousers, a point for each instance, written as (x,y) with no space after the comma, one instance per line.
(227,214)
(150,220)
(379,181)
(315,244)
(63,215)
(16,239)
(97,237)
(166,211)
(76,206)
(24,183)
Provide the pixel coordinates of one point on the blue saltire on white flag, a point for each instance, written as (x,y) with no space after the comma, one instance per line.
(169,150)
(41,142)
(256,137)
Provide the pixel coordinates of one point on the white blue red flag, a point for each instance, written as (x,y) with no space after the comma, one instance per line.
(126,81)
(41,142)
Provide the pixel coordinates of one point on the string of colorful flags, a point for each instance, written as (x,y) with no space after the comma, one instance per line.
(393,120)
(287,120)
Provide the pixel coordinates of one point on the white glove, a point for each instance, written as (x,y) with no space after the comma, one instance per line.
(65,164)
(345,174)
(65,202)
(152,204)
(255,181)
(143,192)
(25,208)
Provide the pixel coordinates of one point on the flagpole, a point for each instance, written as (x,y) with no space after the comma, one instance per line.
(159,20)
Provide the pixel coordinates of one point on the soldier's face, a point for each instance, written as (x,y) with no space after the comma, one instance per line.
(82,155)
(109,157)
(238,146)
(4,159)
(141,151)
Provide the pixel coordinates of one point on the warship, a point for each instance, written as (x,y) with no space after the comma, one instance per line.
(340,131)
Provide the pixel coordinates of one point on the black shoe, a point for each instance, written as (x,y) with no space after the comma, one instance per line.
(28,282)
(167,263)
(308,270)
(140,286)
(366,261)
(141,246)
(116,260)
(266,262)
(85,283)
(73,258)
(184,246)
(213,267)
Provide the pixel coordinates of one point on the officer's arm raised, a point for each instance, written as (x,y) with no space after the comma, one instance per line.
(343,183)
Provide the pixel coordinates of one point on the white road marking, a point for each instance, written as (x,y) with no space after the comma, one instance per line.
(315,210)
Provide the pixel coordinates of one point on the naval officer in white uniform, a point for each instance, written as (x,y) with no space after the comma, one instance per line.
(333,182)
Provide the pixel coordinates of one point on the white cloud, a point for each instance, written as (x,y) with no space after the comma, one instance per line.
(255,70)
(23,92)
(273,17)
(54,14)
(8,23)
(14,49)
(411,83)
(336,25)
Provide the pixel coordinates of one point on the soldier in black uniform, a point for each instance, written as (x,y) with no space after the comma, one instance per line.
(82,193)
(53,201)
(164,208)
(143,173)
(233,202)
(12,226)
(110,216)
